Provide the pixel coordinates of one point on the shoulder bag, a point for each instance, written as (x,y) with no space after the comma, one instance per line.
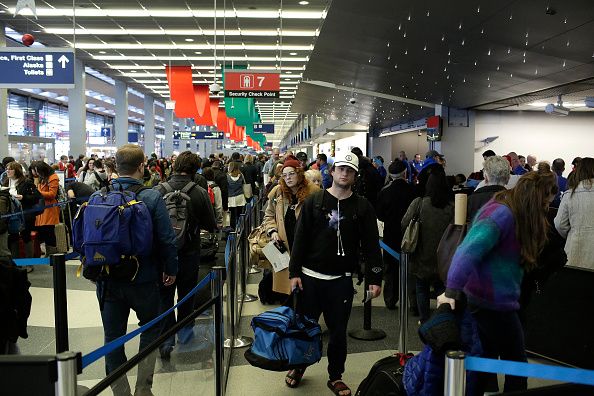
(411,234)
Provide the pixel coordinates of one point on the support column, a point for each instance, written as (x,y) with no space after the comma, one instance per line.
(3,107)
(121,113)
(149,125)
(168,143)
(77,111)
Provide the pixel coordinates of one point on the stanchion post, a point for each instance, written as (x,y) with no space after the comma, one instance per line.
(58,263)
(233,340)
(243,264)
(367,333)
(403,303)
(216,288)
(67,370)
(455,374)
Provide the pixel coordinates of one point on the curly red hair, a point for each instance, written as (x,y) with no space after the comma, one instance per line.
(302,189)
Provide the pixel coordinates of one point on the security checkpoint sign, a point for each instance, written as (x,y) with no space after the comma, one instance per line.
(190,135)
(247,84)
(36,68)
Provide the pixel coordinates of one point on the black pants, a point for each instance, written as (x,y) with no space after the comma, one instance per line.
(46,234)
(235,213)
(334,299)
(186,280)
(502,337)
(391,280)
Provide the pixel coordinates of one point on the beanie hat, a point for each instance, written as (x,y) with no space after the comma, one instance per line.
(397,167)
(291,161)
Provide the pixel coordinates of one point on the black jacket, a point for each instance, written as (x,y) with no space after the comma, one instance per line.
(369,182)
(15,301)
(392,203)
(221,180)
(480,197)
(201,214)
(250,173)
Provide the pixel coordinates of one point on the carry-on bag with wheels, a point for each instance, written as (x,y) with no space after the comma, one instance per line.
(385,377)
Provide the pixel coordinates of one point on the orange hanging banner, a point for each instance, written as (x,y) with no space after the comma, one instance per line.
(181,90)
(214,110)
(222,121)
(202,100)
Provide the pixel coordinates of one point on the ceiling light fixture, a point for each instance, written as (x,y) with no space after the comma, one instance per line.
(303,2)
(292,53)
(189,40)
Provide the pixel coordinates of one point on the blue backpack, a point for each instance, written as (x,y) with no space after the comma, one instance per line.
(16,222)
(284,340)
(110,232)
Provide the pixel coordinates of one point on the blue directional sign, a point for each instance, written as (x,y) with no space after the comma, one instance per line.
(36,68)
(263,128)
(105,132)
(132,137)
(190,135)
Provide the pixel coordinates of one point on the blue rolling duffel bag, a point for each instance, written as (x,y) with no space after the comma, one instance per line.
(284,340)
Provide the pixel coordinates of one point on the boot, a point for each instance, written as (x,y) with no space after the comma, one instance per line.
(49,250)
(29,254)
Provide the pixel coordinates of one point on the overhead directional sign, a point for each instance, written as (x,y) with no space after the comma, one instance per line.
(105,132)
(189,135)
(36,68)
(263,128)
(248,84)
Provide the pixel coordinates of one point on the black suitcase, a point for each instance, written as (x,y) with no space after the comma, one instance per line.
(384,379)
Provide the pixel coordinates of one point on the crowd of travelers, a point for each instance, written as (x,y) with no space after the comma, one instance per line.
(517,209)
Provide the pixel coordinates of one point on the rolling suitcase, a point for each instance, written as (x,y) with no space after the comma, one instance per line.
(385,377)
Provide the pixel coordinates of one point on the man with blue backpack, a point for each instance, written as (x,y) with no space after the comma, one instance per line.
(190,210)
(127,245)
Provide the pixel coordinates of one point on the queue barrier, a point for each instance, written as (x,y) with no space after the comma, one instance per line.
(457,363)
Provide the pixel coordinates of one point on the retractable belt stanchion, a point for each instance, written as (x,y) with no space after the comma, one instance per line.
(455,374)
(403,268)
(367,333)
(58,263)
(254,222)
(233,340)
(216,288)
(244,258)
(67,370)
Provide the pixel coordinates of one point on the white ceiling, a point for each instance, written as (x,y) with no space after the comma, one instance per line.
(133,40)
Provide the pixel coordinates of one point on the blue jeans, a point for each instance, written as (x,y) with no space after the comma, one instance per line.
(186,280)
(119,298)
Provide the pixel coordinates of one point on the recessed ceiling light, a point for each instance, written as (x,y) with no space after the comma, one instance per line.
(102,52)
(189,40)
(198,52)
(133,71)
(293,53)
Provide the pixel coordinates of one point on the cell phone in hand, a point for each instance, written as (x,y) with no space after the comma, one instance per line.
(280,246)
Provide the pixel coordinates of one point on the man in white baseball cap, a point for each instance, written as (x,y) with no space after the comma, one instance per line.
(334,217)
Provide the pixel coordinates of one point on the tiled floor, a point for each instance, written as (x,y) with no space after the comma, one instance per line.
(180,376)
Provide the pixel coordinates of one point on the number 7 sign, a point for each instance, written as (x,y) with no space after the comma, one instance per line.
(244,84)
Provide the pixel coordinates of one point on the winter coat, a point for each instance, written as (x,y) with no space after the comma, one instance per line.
(274,219)
(575,221)
(434,221)
(424,373)
(392,203)
(479,198)
(49,191)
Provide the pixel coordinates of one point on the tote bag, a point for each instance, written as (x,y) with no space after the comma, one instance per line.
(410,238)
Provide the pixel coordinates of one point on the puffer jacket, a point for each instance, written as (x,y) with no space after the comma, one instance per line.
(424,373)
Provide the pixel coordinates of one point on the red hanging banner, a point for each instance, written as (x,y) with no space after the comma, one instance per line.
(181,90)
(202,100)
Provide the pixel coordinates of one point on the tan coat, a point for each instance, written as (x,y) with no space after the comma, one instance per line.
(274,218)
(49,190)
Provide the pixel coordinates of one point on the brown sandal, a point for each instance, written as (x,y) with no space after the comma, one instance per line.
(338,387)
(294,375)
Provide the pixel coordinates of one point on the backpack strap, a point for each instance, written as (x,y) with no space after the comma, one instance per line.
(136,188)
(167,187)
(188,187)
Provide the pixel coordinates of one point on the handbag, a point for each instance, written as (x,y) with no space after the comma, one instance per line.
(410,238)
(258,239)
(247,189)
(450,240)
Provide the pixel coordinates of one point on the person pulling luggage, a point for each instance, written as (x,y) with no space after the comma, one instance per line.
(335,217)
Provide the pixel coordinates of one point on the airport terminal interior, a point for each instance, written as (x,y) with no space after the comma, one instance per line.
(276,90)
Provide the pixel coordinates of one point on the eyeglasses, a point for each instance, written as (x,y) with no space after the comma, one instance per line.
(290,174)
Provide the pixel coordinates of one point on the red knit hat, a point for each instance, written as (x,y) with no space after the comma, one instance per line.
(292,162)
